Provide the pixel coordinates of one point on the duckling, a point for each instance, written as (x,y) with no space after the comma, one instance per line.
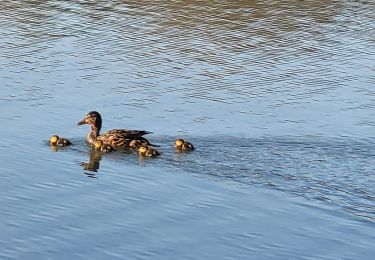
(183,146)
(100,146)
(116,138)
(55,140)
(147,151)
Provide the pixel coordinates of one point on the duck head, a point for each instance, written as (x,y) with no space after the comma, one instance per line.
(93,119)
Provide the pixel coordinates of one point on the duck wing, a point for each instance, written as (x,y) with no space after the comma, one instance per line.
(122,137)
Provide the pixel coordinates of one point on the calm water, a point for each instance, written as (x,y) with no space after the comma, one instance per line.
(278,98)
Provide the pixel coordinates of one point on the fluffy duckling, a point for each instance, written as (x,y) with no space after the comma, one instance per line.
(183,146)
(147,151)
(55,140)
(100,146)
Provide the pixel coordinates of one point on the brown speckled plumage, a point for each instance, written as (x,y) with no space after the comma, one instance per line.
(135,144)
(116,138)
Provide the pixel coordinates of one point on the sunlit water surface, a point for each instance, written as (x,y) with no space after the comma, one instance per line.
(278,98)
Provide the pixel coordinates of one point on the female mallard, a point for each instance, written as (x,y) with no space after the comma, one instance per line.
(100,146)
(147,151)
(55,140)
(116,138)
(182,146)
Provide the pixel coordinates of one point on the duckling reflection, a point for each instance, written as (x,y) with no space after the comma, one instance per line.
(55,140)
(94,161)
(147,151)
(183,146)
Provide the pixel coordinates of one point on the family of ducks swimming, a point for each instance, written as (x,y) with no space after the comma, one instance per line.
(117,139)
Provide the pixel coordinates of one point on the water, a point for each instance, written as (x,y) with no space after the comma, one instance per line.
(277,97)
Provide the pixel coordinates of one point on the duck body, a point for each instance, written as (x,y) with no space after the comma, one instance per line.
(183,146)
(55,140)
(124,138)
(116,138)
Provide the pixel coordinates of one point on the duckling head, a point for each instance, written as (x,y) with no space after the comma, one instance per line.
(53,140)
(179,143)
(98,144)
(142,150)
(93,119)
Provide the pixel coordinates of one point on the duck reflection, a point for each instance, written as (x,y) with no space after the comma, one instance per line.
(94,161)
(96,153)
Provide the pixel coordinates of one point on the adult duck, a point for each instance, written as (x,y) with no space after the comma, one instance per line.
(116,138)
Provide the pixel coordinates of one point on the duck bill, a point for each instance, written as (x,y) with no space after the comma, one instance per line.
(82,122)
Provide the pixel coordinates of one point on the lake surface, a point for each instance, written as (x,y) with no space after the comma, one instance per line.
(278,97)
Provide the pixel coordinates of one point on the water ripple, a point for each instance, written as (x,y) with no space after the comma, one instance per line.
(276,73)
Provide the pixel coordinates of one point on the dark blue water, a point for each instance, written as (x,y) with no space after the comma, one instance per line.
(277,97)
